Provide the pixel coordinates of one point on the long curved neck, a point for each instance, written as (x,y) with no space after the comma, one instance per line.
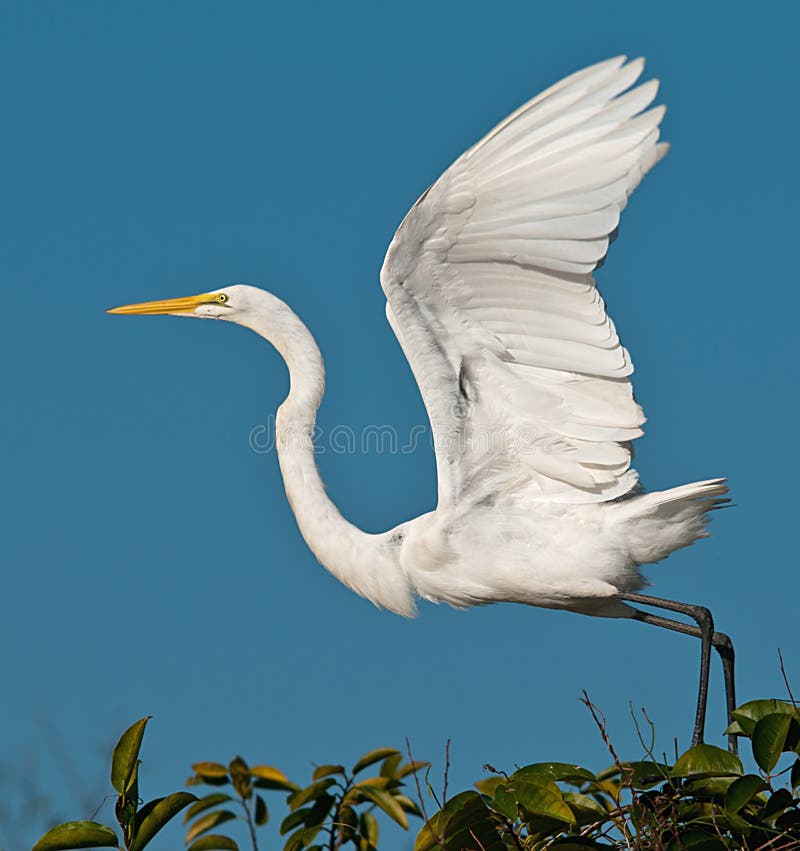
(369,564)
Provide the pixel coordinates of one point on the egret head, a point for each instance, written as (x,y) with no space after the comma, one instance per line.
(251,307)
(228,303)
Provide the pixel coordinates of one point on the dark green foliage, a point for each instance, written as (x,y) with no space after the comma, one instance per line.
(333,810)
(77,834)
(704,801)
(139,822)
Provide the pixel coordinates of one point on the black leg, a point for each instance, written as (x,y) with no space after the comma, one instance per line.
(726,654)
(723,646)
(705,631)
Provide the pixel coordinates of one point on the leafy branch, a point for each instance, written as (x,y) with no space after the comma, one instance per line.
(703,801)
(139,823)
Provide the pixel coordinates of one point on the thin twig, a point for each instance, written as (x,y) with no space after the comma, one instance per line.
(249,819)
(511,829)
(611,814)
(625,774)
(487,766)
(333,844)
(786,679)
(648,750)
(480,844)
(600,720)
(431,790)
(446,771)
(770,842)
(782,772)
(417,783)
(652,727)
(100,806)
(439,838)
(334,828)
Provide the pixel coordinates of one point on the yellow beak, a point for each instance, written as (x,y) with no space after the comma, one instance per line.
(168,305)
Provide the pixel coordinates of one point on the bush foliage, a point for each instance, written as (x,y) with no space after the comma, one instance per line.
(703,801)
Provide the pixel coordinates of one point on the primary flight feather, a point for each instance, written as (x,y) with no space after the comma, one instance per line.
(490,291)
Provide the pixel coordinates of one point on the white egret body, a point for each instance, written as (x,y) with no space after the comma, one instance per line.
(490,291)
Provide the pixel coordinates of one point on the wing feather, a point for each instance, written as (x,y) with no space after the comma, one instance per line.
(490,292)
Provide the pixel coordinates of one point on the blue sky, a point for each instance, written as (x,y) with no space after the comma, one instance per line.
(151,564)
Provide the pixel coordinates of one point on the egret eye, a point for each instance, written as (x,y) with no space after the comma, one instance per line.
(222,298)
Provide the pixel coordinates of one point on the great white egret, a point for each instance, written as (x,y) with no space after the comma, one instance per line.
(490,291)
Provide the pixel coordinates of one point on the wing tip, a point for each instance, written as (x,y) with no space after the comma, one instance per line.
(661,150)
(639,62)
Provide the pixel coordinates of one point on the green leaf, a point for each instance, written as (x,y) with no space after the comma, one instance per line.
(696,840)
(295,841)
(128,801)
(749,714)
(645,774)
(391,764)
(464,822)
(407,804)
(131,794)
(788,821)
(585,809)
(504,802)
(126,753)
(324,770)
(386,802)
(208,822)
(240,776)
(268,777)
(294,819)
(715,788)
(542,827)
(155,814)
(301,838)
(369,828)
(769,737)
(488,786)
(261,811)
(706,761)
(608,773)
(412,767)
(347,823)
(378,782)
(77,834)
(541,797)
(735,822)
(779,801)
(310,793)
(320,811)
(372,757)
(795,775)
(578,843)
(567,772)
(742,791)
(793,737)
(210,770)
(214,842)
(205,803)
(196,780)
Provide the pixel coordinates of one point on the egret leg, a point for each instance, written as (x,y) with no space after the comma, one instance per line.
(723,646)
(705,630)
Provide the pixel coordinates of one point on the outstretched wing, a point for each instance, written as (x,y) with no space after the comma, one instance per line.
(491,295)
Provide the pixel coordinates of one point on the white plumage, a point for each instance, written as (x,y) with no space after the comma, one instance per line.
(490,291)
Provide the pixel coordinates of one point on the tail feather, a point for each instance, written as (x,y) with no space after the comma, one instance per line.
(664,521)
